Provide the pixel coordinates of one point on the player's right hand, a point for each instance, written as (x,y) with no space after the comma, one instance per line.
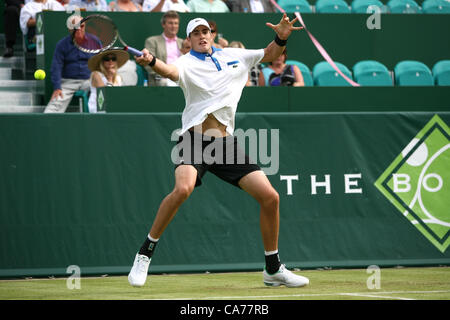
(145,59)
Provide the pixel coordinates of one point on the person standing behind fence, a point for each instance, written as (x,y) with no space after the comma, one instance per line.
(10,24)
(69,70)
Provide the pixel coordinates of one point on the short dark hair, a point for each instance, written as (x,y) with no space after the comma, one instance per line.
(171,14)
(212,25)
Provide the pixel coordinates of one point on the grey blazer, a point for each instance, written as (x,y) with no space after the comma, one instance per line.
(157,47)
(240,5)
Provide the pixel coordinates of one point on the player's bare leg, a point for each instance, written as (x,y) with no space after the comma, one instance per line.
(185,178)
(260,188)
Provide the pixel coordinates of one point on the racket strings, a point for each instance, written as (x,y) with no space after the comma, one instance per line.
(100,34)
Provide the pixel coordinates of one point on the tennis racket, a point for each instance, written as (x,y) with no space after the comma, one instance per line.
(100,34)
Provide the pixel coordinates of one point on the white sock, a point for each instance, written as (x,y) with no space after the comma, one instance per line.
(152,239)
(268,253)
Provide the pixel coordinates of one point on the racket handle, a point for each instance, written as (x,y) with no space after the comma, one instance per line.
(133,51)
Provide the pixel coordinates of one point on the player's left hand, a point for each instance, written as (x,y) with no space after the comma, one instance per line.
(284,27)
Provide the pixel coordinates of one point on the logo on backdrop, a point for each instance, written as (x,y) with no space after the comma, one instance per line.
(417,182)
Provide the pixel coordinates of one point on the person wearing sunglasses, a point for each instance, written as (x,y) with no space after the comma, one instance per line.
(221,41)
(104,68)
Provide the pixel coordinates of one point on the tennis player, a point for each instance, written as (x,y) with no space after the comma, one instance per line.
(212,80)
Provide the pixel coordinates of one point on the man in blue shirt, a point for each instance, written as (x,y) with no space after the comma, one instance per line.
(69,70)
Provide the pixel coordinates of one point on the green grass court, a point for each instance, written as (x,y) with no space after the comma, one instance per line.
(428,283)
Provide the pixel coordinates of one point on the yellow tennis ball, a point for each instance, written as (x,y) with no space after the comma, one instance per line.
(39,74)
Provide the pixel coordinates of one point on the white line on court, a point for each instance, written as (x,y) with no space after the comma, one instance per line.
(374,296)
(305,295)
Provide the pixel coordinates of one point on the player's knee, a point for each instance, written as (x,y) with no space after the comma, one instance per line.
(271,199)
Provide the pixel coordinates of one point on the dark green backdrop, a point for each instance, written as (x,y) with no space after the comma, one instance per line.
(345,36)
(287,99)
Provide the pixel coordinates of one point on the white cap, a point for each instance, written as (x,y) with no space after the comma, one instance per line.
(194,23)
(73,22)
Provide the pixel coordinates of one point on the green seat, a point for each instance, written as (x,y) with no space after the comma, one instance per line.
(441,73)
(332,6)
(266,71)
(436,6)
(403,6)
(29,46)
(291,6)
(325,75)
(142,75)
(83,100)
(306,72)
(413,73)
(372,73)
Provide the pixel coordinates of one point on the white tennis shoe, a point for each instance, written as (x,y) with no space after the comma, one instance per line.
(284,277)
(139,271)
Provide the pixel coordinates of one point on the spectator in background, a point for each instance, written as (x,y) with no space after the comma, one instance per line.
(278,73)
(254,71)
(10,24)
(165,47)
(221,41)
(28,15)
(164,6)
(228,3)
(207,6)
(69,70)
(90,5)
(64,3)
(129,74)
(253,6)
(104,67)
(124,5)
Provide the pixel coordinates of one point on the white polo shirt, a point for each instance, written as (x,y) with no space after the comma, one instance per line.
(213,83)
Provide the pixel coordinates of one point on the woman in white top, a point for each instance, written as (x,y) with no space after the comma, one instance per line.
(29,11)
(104,68)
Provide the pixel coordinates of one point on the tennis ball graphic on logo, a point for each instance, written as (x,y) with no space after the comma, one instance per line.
(434,186)
(417,182)
(39,74)
(419,156)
